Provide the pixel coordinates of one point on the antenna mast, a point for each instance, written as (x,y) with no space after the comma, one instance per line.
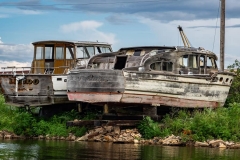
(222,35)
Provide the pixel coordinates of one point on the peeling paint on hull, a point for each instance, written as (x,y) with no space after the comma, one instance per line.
(153,89)
(141,99)
(34,94)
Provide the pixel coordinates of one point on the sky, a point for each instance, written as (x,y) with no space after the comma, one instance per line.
(122,23)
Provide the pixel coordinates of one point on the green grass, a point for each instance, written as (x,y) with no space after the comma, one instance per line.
(25,123)
(221,123)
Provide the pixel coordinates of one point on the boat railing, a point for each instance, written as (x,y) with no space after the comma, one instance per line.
(29,70)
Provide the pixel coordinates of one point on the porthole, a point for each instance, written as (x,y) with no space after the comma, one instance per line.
(231,81)
(227,80)
(221,79)
(35,81)
(29,81)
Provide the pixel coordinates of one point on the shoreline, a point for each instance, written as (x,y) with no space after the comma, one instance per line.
(113,134)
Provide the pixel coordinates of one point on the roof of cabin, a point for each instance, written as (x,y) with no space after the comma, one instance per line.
(148,47)
(71,42)
(177,48)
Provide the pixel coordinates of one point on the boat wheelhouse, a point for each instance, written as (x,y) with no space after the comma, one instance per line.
(153,76)
(44,83)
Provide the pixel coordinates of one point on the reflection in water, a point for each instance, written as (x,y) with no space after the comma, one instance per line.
(38,149)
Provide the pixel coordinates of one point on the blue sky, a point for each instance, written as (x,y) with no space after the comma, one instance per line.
(122,23)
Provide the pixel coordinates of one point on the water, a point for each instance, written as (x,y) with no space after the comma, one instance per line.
(51,150)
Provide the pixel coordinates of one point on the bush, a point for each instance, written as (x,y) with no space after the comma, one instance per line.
(23,124)
(223,123)
(6,114)
(148,128)
(78,131)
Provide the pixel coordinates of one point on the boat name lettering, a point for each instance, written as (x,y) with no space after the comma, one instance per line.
(24,81)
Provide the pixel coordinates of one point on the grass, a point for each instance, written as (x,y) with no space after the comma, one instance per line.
(199,125)
(25,123)
(221,123)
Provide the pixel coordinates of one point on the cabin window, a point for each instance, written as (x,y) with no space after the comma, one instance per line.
(202,61)
(156,66)
(167,66)
(105,49)
(97,50)
(48,52)
(39,53)
(183,61)
(211,62)
(90,51)
(69,52)
(59,53)
(192,61)
(81,53)
(162,66)
(137,53)
(102,50)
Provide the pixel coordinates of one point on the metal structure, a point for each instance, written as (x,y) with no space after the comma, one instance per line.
(184,38)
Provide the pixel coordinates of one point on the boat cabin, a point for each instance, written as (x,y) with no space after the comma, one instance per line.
(56,57)
(182,61)
(175,60)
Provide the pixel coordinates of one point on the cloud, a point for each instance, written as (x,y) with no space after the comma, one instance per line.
(18,55)
(3,16)
(119,19)
(198,35)
(160,10)
(13,63)
(88,30)
(7,12)
(20,52)
(78,26)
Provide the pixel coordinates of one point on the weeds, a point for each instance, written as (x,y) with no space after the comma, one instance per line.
(221,123)
(149,128)
(24,123)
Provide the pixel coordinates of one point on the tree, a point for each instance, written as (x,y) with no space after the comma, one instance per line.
(234,92)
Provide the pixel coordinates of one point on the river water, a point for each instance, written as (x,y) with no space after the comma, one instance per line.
(53,150)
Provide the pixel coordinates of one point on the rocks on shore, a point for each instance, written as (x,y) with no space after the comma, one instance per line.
(111,134)
(114,134)
(8,135)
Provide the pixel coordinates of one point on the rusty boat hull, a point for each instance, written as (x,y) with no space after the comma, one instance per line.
(117,86)
(34,89)
(153,76)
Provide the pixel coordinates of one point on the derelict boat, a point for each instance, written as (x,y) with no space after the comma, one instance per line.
(152,75)
(44,83)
